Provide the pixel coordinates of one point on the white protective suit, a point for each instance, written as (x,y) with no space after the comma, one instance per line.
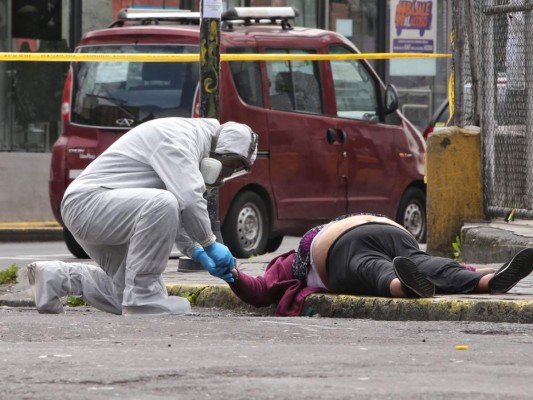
(126,210)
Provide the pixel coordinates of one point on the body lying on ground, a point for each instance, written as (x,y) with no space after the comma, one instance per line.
(368,255)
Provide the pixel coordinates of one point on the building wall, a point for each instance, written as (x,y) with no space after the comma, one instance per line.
(24,183)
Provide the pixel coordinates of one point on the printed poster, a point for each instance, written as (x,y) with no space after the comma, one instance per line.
(212,9)
(413,30)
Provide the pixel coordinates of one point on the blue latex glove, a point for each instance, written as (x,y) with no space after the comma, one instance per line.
(200,256)
(221,255)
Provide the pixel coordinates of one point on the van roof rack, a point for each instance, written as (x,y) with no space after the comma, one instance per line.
(259,15)
(148,16)
(234,15)
(157,13)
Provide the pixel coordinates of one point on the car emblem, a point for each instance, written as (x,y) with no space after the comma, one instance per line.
(124,122)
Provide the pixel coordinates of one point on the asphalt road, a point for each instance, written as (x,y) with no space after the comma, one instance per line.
(87,354)
(22,253)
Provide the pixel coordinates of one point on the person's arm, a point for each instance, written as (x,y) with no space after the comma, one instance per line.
(184,243)
(252,290)
(178,168)
(176,162)
(262,291)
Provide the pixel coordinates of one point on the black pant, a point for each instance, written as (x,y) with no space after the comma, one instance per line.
(360,262)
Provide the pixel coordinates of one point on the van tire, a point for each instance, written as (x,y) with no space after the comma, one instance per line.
(246,228)
(73,246)
(412,213)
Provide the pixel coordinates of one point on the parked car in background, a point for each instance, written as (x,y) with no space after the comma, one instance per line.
(439,120)
(506,114)
(331,138)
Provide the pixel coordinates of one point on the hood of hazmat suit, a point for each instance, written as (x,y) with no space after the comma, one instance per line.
(233,152)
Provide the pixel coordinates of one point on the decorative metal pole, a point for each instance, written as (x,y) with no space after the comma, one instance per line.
(210,16)
(211,12)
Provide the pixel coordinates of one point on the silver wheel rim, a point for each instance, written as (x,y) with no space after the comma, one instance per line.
(249,227)
(413,220)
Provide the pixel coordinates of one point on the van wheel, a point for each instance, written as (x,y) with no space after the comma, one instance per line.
(273,244)
(245,229)
(73,246)
(412,213)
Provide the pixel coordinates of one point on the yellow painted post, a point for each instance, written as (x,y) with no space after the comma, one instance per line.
(454,186)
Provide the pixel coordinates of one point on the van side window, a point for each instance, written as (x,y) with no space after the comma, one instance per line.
(355,88)
(247,76)
(294,85)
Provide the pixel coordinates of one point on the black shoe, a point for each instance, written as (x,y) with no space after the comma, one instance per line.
(512,272)
(414,283)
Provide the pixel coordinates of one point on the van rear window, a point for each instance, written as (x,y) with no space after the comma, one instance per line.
(124,94)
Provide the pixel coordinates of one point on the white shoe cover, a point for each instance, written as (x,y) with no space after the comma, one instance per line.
(173,305)
(45,288)
(52,280)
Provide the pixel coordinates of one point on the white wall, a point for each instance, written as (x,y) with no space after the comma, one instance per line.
(24,187)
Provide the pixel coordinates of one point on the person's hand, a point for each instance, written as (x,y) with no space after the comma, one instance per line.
(220,255)
(223,272)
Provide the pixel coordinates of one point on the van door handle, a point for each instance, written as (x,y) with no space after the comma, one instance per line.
(341,135)
(330,135)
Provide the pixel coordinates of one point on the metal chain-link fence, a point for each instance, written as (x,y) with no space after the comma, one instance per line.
(493,89)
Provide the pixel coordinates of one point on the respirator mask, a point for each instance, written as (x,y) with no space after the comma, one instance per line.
(210,169)
(219,168)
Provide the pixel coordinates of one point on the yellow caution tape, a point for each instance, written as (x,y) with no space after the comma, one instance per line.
(451,85)
(451,101)
(87,57)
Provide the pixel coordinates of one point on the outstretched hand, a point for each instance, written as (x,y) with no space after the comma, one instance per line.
(220,271)
(221,255)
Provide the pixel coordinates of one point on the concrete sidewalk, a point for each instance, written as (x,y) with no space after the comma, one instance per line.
(207,291)
(495,241)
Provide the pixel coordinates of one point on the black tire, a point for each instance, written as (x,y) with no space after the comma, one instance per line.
(273,244)
(412,213)
(73,245)
(246,228)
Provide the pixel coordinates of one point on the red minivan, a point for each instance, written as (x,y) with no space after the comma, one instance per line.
(332,140)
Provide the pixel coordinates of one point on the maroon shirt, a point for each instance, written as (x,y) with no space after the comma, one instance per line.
(277,285)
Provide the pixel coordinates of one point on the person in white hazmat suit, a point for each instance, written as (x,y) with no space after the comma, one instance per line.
(132,203)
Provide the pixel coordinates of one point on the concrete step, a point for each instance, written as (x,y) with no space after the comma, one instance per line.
(28,231)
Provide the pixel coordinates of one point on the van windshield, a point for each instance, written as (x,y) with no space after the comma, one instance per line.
(124,94)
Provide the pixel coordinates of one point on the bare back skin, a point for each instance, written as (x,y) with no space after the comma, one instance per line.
(330,233)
